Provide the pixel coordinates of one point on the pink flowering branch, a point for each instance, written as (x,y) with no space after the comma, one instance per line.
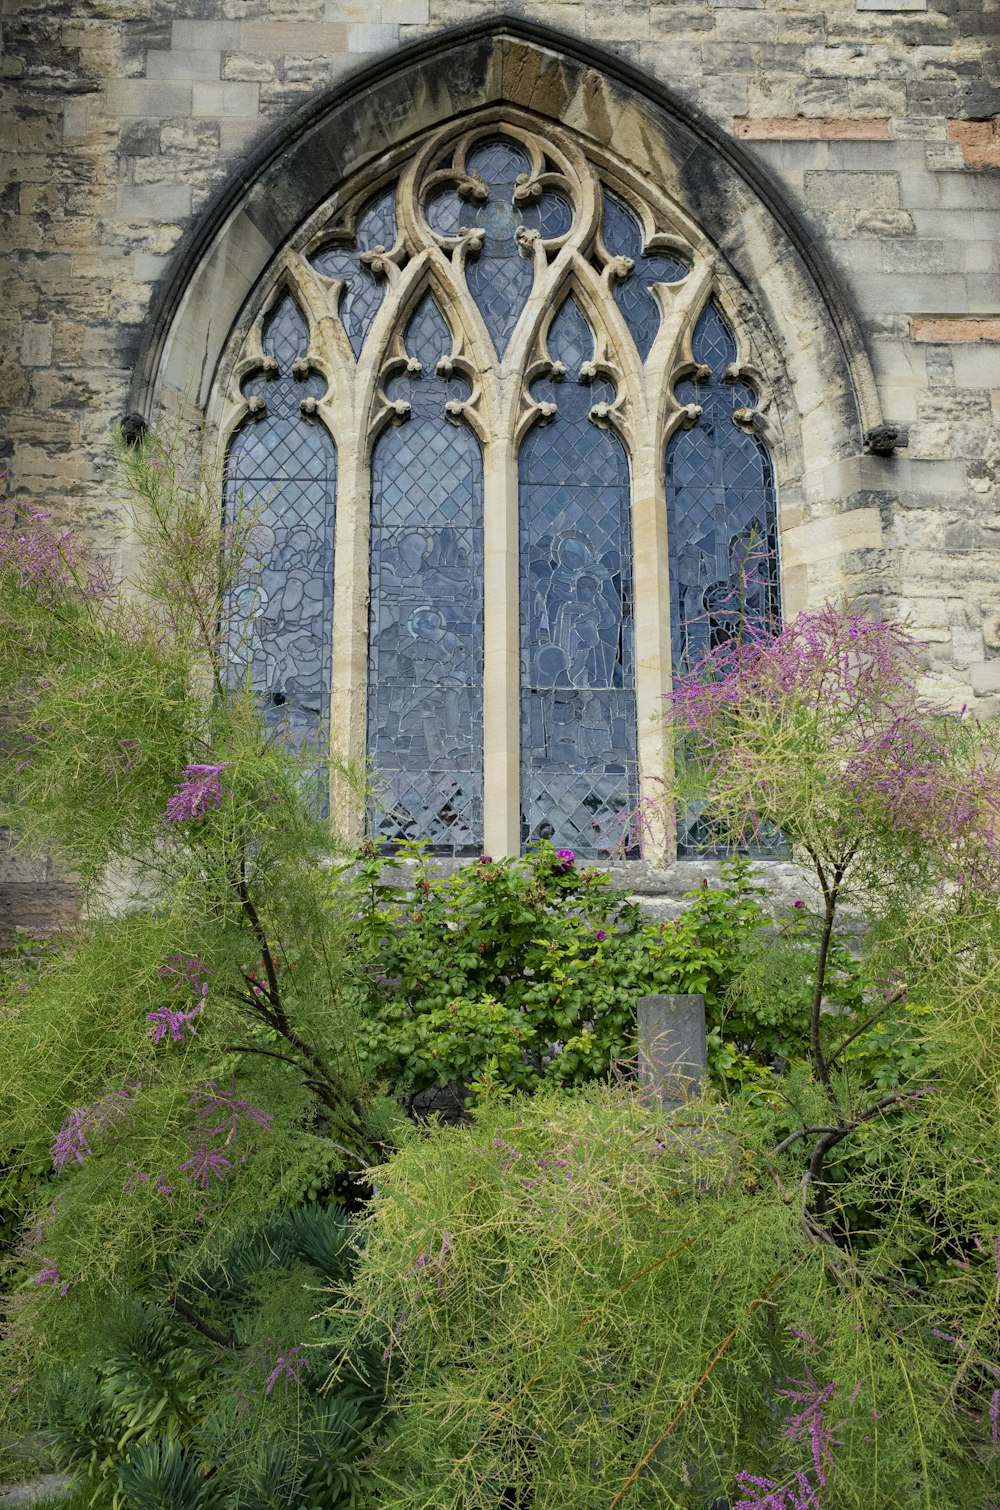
(200,791)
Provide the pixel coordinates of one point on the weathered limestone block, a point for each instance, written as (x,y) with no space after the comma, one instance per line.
(673,1054)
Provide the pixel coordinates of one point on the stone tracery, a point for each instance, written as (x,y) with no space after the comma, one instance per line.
(553,290)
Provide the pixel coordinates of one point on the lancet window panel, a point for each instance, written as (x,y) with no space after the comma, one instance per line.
(425,688)
(281,478)
(507,345)
(722,522)
(578,731)
(721,507)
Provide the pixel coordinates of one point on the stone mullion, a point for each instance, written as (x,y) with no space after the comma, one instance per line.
(501,650)
(349,693)
(651,620)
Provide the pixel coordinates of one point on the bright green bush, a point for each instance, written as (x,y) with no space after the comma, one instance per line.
(530,969)
(596,1303)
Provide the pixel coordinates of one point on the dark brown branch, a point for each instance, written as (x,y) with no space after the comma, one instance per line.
(869,1022)
(255,923)
(803,1132)
(278,1018)
(837,1135)
(188,1314)
(830,886)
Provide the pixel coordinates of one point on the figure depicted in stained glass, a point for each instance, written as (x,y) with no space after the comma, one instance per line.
(578,738)
(282,468)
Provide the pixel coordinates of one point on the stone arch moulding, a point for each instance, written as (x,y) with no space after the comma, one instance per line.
(767,250)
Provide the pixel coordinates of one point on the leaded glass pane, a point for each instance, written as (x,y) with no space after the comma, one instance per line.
(623,237)
(425,698)
(363,291)
(721,515)
(500,278)
(578,735)
(277,620)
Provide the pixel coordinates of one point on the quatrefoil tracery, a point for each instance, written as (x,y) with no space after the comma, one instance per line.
(502,228)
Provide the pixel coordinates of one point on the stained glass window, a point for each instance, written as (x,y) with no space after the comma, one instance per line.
(283,468)
(425,691)
(363,290)
(721,518)
(503,383)
(578,734)
(500,277)
(623,237)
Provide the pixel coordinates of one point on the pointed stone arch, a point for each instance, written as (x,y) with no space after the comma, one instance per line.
(601,131)
(507,62)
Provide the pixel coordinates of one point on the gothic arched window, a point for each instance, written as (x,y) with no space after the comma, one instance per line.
(517,368)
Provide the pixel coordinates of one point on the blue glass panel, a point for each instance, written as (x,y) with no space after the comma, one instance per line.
(500,279)
(550,216)
(623,237)
(578,734)
(363,291)
(425,697)
(277,621)
(721,514)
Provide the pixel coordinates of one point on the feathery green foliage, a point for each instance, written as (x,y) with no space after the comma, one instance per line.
(598,1303)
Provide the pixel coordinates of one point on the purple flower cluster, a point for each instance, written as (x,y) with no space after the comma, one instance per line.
(811,1422)
(890,753)
(218,1123)
(842,659)
(807,1423)
(44,561)
(182,971)
(210,1102)
(200,791)
(50,1276)
(204,1163)
(175,1021)
(285,1368)
(73,1143)
(767,1494)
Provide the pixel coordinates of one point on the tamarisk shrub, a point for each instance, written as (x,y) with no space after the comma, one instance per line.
(182,1066)
(592,1301)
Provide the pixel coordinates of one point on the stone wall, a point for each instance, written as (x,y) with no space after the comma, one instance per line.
(878,118)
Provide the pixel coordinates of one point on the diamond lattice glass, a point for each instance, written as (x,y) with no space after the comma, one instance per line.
(425,687)
(277,619)
(578,736)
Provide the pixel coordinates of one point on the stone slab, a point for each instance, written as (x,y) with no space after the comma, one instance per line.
(673,1052)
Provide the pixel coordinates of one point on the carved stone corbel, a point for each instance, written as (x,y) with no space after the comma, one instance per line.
(473,188)
(385,262)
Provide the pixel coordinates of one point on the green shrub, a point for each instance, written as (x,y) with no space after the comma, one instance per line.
(208,1395)
(530,969)
(597,1303)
